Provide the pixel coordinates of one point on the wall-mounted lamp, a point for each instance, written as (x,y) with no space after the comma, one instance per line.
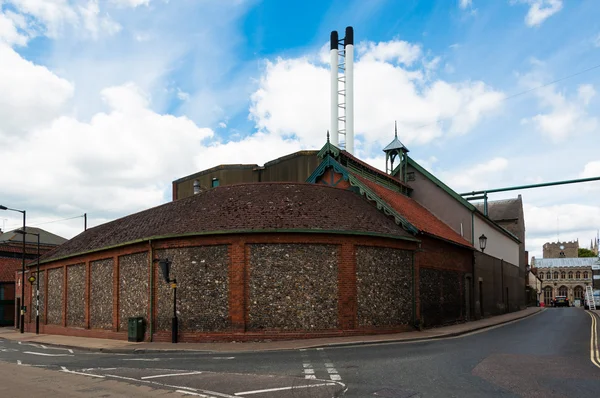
(482,242)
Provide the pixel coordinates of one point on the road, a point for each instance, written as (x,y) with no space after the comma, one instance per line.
(546,355)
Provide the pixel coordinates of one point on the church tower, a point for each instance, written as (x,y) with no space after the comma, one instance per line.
(396,149)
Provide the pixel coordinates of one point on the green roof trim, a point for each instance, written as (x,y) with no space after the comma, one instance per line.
(382,205)
(230,232)
(329,148)
(327,162)
(440,184)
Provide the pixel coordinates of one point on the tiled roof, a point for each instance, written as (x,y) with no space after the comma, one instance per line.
(244,207)
(566,262)
(373,169)
(8,267)
(499,210)
(46,238)
(416,214)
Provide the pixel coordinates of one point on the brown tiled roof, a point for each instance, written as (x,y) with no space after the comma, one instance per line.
(244,207)
(374,170)
(8,267)
(502,210)
(416,214)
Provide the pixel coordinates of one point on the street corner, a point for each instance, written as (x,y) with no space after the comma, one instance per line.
(217,384)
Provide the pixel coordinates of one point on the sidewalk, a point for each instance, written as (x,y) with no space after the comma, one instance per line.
(120,346)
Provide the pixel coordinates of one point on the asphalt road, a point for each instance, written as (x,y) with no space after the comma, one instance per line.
(546,355)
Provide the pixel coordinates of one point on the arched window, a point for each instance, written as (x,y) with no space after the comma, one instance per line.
(578,292)
(555,274)
(577,274)
(585,274)
(570,274)
(562,291)
(563,275)
(541,275)
(548,276)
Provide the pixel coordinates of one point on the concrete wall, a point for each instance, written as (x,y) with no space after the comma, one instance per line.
(498,286)
(441,204)
(498,244)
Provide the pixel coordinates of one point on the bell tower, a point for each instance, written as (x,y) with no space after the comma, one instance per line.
(394,150)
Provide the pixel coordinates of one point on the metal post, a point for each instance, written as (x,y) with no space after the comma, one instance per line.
(37,290)
(174,324)
(22,318)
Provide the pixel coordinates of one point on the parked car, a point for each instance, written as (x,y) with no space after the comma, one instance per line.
(561,301)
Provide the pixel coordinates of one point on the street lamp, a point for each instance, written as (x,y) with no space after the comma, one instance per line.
(165,267)
(22,317)
(482,242)
(36,279)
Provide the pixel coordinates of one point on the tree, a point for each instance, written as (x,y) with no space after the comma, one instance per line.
(581,252)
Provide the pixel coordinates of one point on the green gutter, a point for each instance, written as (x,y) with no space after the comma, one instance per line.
(545,184)
(231,232)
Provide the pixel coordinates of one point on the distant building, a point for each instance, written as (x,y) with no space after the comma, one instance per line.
(564,276)
(561,249)
(11,261)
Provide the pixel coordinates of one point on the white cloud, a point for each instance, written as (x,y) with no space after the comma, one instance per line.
(293,98)
(566,116)
(478,176)
(465,3)
(591,169)
(130,3)
(540,10)
(11,28)
(31,94)
(54,18)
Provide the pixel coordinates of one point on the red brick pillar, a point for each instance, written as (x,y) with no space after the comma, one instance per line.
(64,314)
(88,279)
(237,285)
(115,326)
(347,305)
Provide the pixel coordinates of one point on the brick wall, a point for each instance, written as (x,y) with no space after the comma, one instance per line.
(357,285)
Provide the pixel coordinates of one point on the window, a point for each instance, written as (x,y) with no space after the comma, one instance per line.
(215,182)
(555,274)
(571,275)
(578,292)
(541,275)
(548,276)
(563,275)
(562,291)
(410,176)
(577,274)
(585,274)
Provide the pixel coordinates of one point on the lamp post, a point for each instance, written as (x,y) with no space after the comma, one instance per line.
(22,309)
(165,266)
(482,242)
(37,280)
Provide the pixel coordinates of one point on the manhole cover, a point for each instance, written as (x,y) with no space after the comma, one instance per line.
(395,393)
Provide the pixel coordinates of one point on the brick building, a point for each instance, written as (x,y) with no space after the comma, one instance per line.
(350,251)
(11,262)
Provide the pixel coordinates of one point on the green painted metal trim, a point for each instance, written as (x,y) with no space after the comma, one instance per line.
(327,162)
(233,232)
(329,148)
(544,184)
(440,184)
(382,205)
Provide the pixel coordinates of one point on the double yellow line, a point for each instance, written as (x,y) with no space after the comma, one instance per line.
(594,354)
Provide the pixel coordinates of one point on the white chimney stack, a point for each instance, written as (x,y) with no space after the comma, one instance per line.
(347,92)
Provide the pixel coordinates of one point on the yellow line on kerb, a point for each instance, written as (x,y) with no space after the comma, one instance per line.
(594,354)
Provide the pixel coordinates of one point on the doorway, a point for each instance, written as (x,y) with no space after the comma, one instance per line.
(548,296)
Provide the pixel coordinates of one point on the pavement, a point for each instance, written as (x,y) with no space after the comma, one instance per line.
(121,346)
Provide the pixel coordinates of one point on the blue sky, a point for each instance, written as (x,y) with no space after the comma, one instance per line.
(106,102)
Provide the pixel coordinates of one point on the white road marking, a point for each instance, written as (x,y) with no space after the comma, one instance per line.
(64,369)
(332,371)
(8,350)
(195,394)
(19,362)
(283,389)
(209,393)
(309,371)
(223,357)
(335,377)
(170,375)
(47,355)
(142,359)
